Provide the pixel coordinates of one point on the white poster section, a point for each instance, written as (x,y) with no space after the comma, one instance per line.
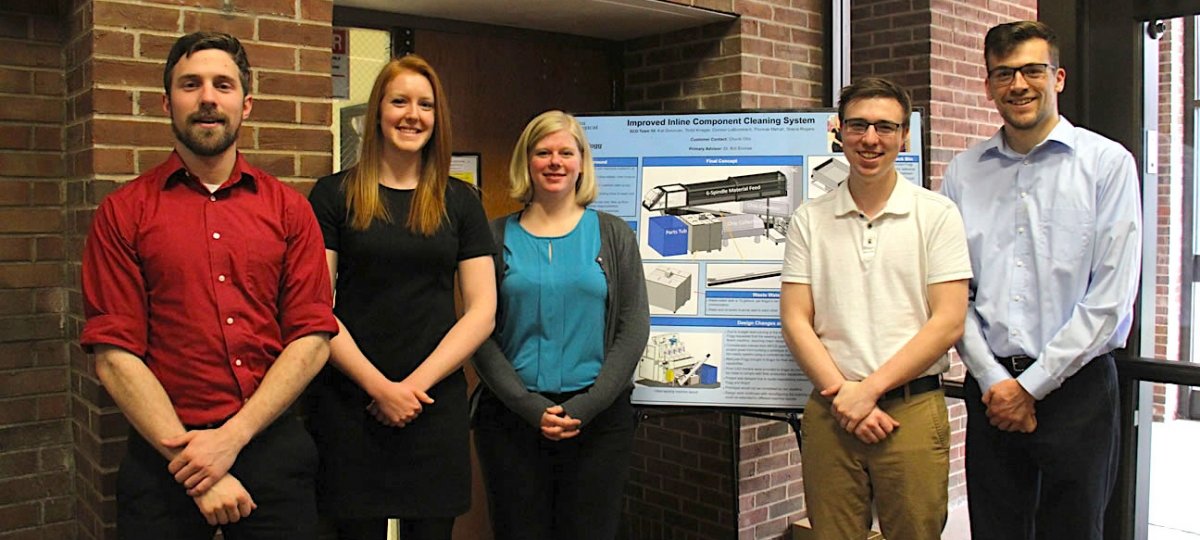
(709,196)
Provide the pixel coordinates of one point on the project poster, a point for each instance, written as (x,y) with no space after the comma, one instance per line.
(709,196)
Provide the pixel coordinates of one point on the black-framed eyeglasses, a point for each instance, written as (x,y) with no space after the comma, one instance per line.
(859,126)
(1004,75)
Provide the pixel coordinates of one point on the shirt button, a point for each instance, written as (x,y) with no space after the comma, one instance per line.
(237,361)
(870,225)
(229,320)
(1016,299)
(1020,230)
(1012,333)
(221,278)
(1020,264)
(212,198)
(216,236)
(1024,194)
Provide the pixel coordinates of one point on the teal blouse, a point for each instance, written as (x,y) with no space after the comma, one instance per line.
(553,293)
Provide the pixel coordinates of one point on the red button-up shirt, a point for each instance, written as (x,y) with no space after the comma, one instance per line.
(207,288)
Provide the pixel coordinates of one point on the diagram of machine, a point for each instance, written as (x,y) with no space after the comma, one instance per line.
(688,223)
(668,289)
(830,174)
(666,362)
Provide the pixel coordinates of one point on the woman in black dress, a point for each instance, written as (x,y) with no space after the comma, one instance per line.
(391,419)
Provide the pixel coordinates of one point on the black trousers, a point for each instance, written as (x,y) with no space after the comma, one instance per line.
(1056,482)
(277,468)
(540,489)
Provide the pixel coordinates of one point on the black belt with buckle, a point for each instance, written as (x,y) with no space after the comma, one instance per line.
(916,386)
(1016,365)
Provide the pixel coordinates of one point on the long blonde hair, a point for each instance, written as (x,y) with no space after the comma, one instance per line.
(428,211)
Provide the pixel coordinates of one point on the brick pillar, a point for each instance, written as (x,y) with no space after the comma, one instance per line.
(935,49)
(35,439)
(116,129)
(1168,248)
(770,57)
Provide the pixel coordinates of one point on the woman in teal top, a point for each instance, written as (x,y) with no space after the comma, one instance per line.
(554,425)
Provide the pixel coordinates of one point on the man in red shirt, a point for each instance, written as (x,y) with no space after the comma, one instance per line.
(209,309)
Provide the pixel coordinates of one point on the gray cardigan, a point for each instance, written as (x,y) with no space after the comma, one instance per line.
(626,329)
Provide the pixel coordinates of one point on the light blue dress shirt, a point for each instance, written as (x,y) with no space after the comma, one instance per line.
(554,294)
(1055,242)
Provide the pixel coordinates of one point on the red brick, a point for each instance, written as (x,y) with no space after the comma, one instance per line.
(262,55)
(30,220)
(112,101)
(274,110)
(46,29)
(112,161)
(30,164)
(316,113)
(127,72)
(154,47)
(45,193)
(274,163)
(218,22)
(20,516)
(267,7)
(112,43)
(139,16)
(15,137)
(29,275)
(288,84)
(125,132)
(150,104)
(15,81)
(317,61)
(315,166)
(49,248)
(312,35)
(148,158)
(39,486)
(316,10)
(32,109)
(15,248)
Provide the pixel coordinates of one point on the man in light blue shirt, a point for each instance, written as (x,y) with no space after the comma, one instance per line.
(1053,221)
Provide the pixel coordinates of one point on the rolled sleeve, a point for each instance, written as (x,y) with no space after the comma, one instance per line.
(306,300)
(114,292)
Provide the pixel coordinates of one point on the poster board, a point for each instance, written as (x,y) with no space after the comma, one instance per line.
(709,196)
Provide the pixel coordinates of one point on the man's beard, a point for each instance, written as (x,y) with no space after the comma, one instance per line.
(202,142)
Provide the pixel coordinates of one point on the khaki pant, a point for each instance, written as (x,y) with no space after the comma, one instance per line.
(906,474)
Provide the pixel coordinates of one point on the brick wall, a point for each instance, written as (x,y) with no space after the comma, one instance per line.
(935,49)
(681,478)
(1168,249)
(770,57)
(35,440)
(116,129)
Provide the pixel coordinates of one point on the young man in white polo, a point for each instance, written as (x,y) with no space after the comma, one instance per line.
(874,294)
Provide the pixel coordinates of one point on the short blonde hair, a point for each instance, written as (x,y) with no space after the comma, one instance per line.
(542,126)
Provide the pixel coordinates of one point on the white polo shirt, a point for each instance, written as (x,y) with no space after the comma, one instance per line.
(869,278)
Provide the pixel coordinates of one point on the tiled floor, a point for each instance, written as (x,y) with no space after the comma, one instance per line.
(1174,478)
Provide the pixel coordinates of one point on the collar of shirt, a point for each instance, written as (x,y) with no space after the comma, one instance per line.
(900,202)
(1064,134)
(174,172)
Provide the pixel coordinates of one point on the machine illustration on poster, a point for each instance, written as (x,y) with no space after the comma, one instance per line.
(709,196)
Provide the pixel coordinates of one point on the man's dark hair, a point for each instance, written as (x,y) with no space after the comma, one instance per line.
(874,87)
(200,41)
(1003,38)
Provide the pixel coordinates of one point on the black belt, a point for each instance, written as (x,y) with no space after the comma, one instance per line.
(1016,365)
(916,386)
